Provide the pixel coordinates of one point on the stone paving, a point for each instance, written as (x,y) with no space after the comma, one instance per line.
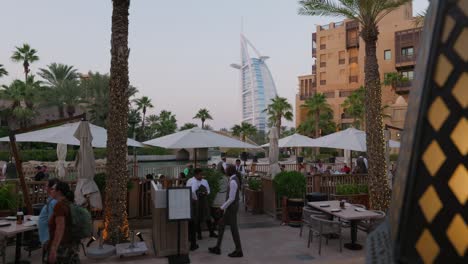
(264,240)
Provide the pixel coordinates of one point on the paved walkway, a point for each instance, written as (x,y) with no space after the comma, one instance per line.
(264,240)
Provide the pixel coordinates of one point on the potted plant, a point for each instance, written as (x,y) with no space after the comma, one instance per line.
(254,196)
(291,186)
(352,193)
(8,200)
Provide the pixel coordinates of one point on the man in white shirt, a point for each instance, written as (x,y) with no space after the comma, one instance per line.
(222,164)
(239,167)
(230,208)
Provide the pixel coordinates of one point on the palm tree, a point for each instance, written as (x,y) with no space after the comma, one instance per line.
(326,124)
(418,20)
(368,13)
(63,89)
(278,109)
(20,95)
(203,114)
(244,130)
(26,55)
(354,107)
(96,97)
(3,72)
(316,105)
(164,124)
(187,126)
(143,104)
(115,221)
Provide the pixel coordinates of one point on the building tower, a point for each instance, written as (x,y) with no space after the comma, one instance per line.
(257,85)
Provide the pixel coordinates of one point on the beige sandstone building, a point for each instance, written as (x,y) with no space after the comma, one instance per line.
(339,65)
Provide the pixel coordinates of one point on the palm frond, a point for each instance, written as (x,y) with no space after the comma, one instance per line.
(333,8)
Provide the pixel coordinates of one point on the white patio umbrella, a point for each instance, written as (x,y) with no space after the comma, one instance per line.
(273,153)
(86,166)
(61,155)
(350,139)
(197,138)
(63,134)
(294,141)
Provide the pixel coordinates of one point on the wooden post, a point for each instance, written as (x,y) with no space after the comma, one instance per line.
(19,169)
(317,179)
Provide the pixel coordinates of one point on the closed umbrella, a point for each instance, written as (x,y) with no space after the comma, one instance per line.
(61,155)
(85,164)
(273,153)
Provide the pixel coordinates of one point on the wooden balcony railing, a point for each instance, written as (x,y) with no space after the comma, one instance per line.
(353,79)
(323,82)
(353,60)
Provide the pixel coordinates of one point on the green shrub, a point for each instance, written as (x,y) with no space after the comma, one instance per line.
(8,198)
(212,177)
(291,184)
(149,151)
(393,157)
(349,189)
(255,184)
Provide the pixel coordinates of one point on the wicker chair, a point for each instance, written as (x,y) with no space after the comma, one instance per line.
(306,213)
(324,227)
(369,225)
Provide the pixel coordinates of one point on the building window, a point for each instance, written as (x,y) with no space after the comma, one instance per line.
(345,93)
(341,57)
(329,94)
(387,55)
(408,51)
(408,74)
(323,78)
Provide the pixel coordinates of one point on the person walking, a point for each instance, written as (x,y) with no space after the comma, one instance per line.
(9,169)
(230,208)
(62,248)
(221,167)
(219,199)
(44,217)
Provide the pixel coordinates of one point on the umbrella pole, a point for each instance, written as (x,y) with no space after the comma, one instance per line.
(19,169)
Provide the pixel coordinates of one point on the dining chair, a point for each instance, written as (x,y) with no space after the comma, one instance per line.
(324,227)
(369,225)
(345,223)
(306,213)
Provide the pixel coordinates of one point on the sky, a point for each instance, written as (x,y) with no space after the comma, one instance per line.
(180,51)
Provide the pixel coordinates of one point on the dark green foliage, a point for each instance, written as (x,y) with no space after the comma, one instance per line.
(393,157)
(291,184)
(255,184)
(8,198)
(347,189)
(212,176)
(149,151)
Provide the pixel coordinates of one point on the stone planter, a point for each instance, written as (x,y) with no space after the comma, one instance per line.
(253,201)
(362,198)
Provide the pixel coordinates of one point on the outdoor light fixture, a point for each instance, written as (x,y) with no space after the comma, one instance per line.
(91,240)
(140,236)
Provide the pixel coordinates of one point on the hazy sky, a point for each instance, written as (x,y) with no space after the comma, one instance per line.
(180,50)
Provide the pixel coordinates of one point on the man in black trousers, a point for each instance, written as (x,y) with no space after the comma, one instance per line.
(230,208)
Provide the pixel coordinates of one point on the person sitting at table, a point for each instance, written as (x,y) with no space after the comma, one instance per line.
(45,214)
(61,248)
(328,171)
(40,175)
(346,169)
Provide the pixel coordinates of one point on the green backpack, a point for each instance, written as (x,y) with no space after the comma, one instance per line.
(81,223)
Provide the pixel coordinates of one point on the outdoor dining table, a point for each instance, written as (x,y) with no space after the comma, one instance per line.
(18,230)
(348,213)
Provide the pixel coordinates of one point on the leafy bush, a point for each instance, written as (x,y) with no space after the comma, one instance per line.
(149,151)
(349,189)
(212,177)
(291,184)
(255,184)
(8,198)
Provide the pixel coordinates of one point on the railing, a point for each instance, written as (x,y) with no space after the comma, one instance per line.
(70,174)
(352,42)
(406,58)
(328,183)
(353,60)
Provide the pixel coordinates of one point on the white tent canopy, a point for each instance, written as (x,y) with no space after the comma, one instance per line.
(294,141)
(350,139)
(63,134)
(197,138)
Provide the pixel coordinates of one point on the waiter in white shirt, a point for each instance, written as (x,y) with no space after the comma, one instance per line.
(230,208)
(239,167)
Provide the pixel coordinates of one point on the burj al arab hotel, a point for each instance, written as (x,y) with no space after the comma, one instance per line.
(256,83)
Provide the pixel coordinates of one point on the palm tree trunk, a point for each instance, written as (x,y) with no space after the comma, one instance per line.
(378,188)
(203,124)
(142,137)
(116,223)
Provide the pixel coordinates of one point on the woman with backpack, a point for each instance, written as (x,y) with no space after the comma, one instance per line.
(62,248)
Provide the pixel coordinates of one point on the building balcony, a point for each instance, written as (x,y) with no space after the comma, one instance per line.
(341,61)
(405,39)
(314,52)
(405,60)
(323,82)
(352,25)
(353,79)
(323,64)
(403,87)
(323,46)
(352,42)
(353,60)
(314,69)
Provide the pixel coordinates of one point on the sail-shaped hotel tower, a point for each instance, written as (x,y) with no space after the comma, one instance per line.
(257,85)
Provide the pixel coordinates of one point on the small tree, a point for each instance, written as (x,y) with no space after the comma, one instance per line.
(203,114)
(244,130)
